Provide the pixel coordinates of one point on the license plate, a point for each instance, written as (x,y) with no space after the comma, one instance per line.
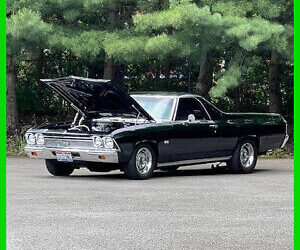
(64,156)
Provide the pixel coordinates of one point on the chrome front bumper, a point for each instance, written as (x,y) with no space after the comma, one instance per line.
(286,138)
(107,156)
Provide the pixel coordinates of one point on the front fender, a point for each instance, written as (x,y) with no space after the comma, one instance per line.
(129,138)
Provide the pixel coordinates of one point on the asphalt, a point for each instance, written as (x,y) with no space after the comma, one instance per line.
(192,208)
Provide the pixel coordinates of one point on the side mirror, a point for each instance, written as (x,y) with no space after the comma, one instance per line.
(191,118)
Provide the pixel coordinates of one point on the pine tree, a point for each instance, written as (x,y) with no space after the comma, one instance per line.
(78,26)
(198,29)
(217,37)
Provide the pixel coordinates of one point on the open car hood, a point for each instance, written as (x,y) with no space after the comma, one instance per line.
(94,98)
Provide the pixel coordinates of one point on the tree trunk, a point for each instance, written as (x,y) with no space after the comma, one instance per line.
(205,78)
(12,121)
(109,68)
(274,84)
(112,70)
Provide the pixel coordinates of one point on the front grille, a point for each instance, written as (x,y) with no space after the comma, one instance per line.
(82,143)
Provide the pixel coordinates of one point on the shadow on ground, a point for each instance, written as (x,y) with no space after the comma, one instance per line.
(159,174)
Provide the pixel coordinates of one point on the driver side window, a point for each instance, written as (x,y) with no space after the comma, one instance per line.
(187,106)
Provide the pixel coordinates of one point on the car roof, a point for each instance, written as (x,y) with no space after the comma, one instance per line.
(162,93)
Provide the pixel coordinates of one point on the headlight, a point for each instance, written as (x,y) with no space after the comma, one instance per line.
(40,140)
(98,142)
(108,142)
(30,138)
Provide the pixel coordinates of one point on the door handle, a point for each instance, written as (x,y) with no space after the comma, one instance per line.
(215,126)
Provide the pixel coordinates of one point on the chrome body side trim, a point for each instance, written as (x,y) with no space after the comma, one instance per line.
(286,138)
(196,161)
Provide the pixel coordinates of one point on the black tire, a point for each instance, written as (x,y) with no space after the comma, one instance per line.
(236,164)
(169,169)
(59,168)
(132,171)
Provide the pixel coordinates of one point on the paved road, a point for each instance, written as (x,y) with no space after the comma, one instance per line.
(193,208)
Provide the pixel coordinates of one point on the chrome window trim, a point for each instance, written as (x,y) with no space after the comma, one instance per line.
(161,96)
(209,103)
(175,110)
(204,108)
(191,97)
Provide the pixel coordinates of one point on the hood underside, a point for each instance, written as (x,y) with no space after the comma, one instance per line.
(95,98)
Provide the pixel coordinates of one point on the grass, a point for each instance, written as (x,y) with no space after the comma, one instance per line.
(15,146)
(286,152)
(15,143)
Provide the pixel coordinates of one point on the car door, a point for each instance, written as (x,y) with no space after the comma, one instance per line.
(196,138)
(227,132)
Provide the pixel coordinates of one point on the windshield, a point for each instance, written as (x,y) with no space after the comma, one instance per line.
(160,108)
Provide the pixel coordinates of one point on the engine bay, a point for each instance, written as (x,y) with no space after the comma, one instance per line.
(104,125)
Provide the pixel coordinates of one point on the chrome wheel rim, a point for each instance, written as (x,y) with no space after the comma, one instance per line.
(247,155)
(143,160)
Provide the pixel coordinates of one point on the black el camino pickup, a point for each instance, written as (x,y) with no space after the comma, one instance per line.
(142,132)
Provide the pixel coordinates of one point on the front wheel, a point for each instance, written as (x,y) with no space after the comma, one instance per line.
(59,168)
(141,164)
(244,157)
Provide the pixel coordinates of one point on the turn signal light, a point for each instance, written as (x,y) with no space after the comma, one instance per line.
(102,157)
(34,154)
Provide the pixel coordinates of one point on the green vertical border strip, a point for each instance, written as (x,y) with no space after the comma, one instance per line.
(2,125)
(296,122)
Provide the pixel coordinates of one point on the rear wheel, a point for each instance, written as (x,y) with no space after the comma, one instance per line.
(141,164)
(244,158)
(59,168)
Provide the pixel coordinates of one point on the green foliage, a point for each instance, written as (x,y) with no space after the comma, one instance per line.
(229,80)
(146,6)
(126,49)
(264,8)
(162,46)
(77,26)
(189,29)
(152,38)
(286,152)
(251,94)
(232,8)
(35,98)
(251,33)
(26,30)
(85,44)
(15,144)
